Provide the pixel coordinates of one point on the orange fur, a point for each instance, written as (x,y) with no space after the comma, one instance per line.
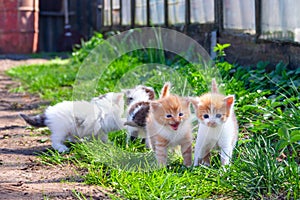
(165,90)
(213,101)
(169,125)
(214,86)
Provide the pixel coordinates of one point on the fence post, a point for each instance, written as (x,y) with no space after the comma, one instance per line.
(148,12)
(120,12)
(100,15)
(219,16)
(258,10)
(111,14)
(166,13)
(187,12)
(132,13)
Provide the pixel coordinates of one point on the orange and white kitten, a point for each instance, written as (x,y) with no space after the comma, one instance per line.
(217,126)
(169,125)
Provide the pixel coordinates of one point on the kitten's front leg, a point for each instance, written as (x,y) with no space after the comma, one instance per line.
(186,150)
(196,156)
(202,156)
(198,149)
(226,154)
(202,151)
(161,151)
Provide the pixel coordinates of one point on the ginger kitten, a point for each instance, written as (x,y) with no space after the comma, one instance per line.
(169,125)
(217,126)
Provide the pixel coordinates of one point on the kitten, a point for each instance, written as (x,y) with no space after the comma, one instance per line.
(77,119)
(138,101)
(217,126)
(169,125)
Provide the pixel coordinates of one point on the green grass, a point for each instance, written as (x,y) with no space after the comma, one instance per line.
(45,79)
(266,159)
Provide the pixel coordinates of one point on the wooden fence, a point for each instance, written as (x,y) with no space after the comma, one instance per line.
(258,28)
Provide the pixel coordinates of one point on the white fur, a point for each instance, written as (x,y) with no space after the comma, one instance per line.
(223,136)
(137,94)
(77,119)
(130,116)
(135,131)
(113,109)
(174,137)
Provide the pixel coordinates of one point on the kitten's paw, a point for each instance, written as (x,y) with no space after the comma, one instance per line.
(61,148)
(196,162)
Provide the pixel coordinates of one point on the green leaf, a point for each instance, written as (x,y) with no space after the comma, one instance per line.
(283,133)
(282,144)
(244,141)
(43,140)
(295,136)
(226,45)
(280,67)
(279,111)
(262,65)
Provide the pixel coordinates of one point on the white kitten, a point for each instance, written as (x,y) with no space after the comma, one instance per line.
(77,119)
(217,126)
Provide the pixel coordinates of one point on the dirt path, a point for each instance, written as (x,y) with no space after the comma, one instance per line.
(22,176)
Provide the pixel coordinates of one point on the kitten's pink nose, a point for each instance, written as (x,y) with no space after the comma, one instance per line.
(212,124)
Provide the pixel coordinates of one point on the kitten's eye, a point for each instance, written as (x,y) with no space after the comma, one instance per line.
(218,115)
(130,99)
(206,116)
(168,116)
(180,114)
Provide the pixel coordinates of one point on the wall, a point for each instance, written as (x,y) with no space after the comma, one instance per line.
(247,50)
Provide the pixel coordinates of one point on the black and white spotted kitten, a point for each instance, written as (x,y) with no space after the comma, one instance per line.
(138,101)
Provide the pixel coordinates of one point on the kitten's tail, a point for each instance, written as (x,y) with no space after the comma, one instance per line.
(165,90)
(37,120)
(214,86)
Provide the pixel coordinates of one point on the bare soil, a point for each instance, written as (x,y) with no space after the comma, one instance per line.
(22,175)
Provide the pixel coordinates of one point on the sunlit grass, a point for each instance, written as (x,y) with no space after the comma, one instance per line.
(45,79)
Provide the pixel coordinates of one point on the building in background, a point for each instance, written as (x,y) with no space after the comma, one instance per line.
(19,26)
(257,29)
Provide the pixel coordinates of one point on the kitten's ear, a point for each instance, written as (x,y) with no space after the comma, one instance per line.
(195,101)
(229,100)
(150,91)
(165,91)
(214,86)
(155,105)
